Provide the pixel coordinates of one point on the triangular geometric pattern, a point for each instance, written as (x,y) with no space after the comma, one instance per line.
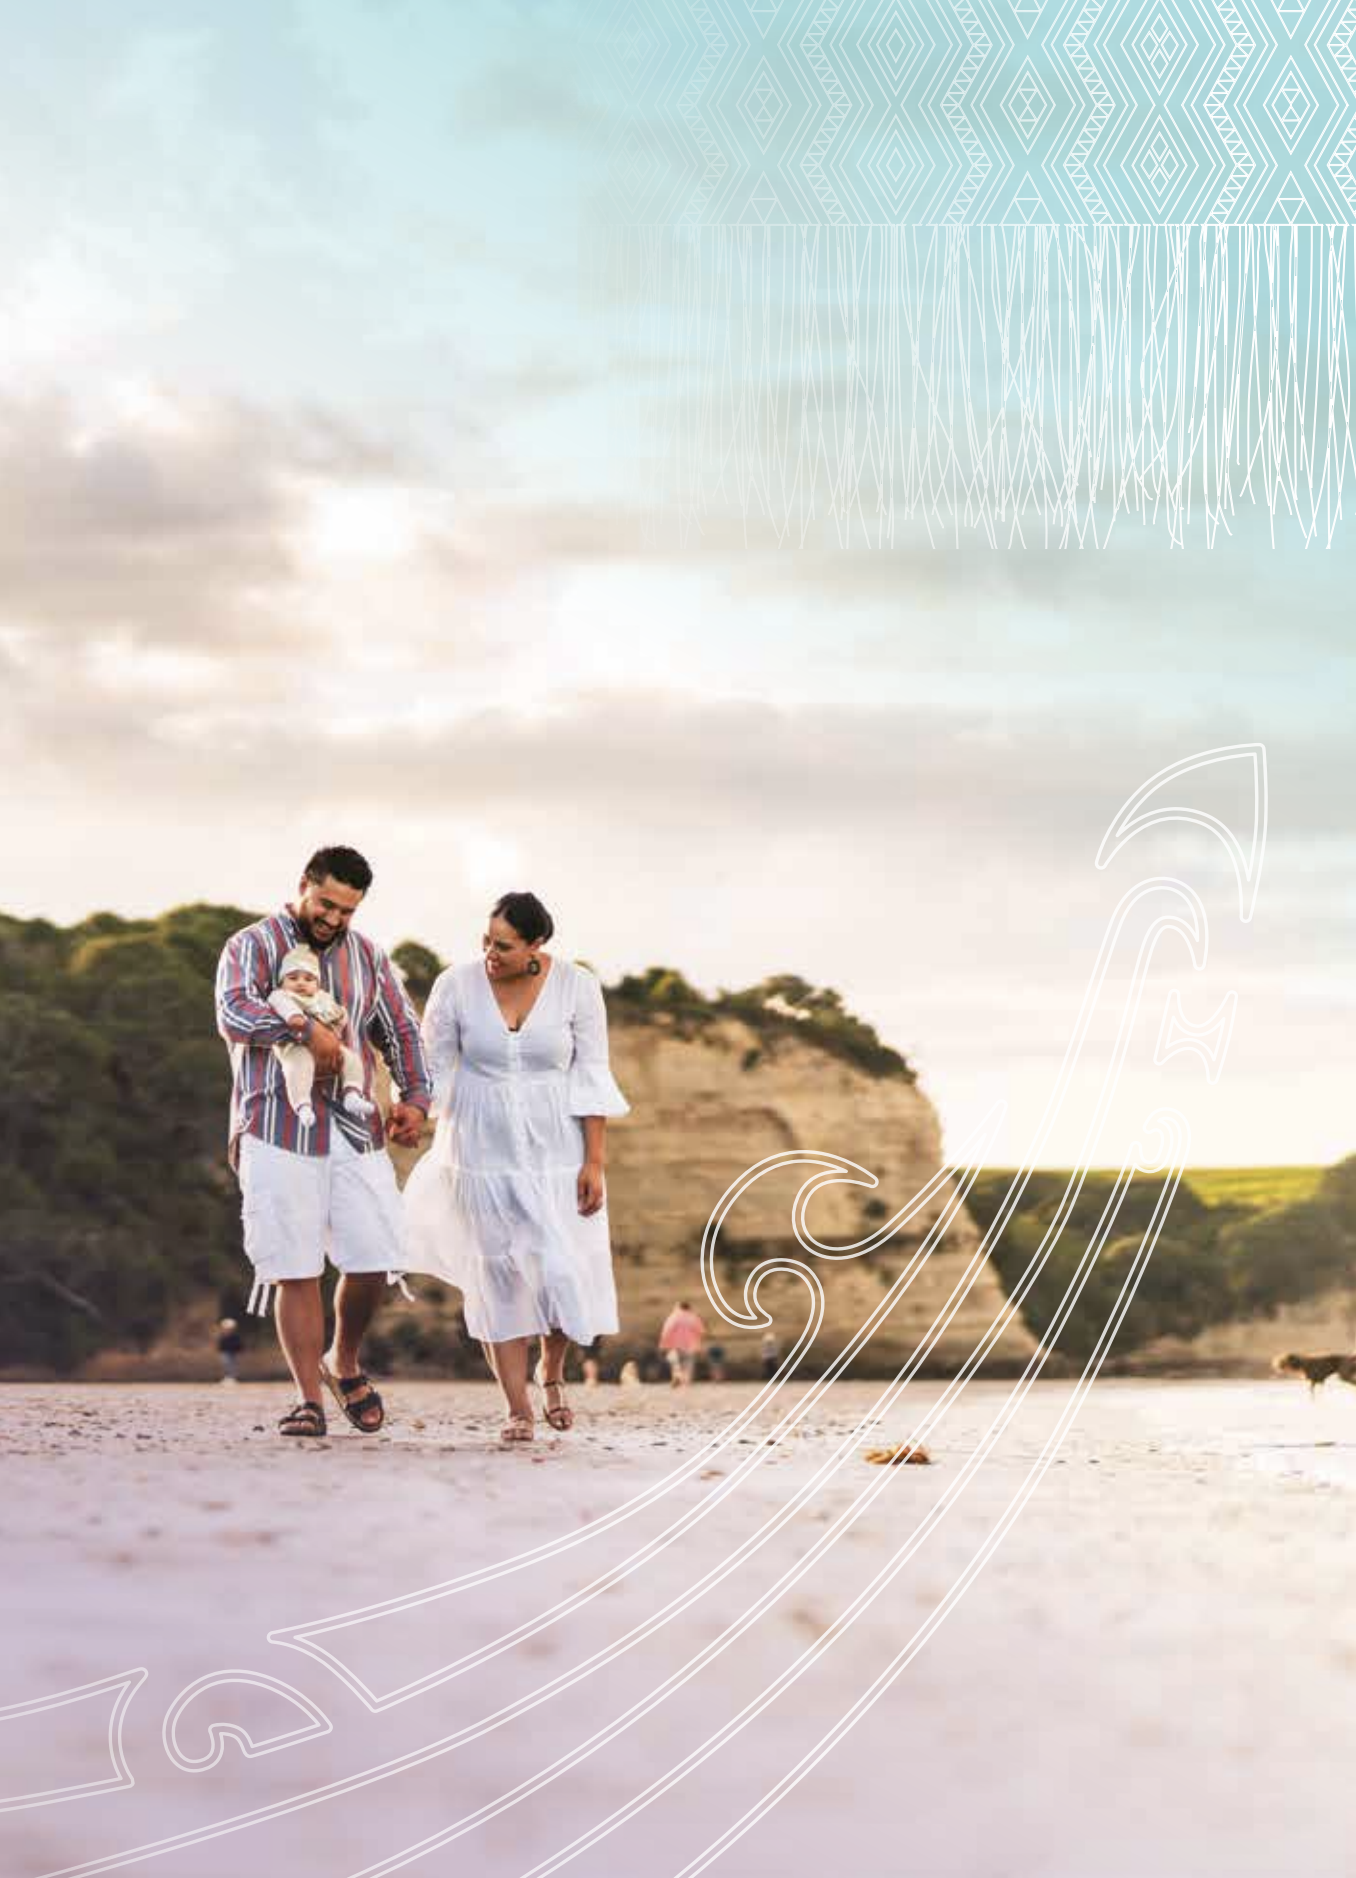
(1027,208)
(872,112)
(1290,204)
(762,204)
(1028,13)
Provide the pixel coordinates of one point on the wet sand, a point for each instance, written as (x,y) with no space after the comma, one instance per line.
(1155,1671)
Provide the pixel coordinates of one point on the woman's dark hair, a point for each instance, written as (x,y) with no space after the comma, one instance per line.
(526,914)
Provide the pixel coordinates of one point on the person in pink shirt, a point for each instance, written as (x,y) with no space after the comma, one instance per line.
(680,1341)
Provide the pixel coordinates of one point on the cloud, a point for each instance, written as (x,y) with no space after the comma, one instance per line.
(221,529)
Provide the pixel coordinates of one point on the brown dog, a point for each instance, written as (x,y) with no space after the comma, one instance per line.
(1316,1369)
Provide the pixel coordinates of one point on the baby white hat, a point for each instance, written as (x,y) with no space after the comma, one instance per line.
(299,959)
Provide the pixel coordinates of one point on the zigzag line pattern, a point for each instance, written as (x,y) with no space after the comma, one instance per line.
(953,105)
(1241,161)
(1157,112)
(838,108)
(860,387)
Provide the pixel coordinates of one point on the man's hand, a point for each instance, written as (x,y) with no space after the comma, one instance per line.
(589,1188)
(406,1125)
(326,1048)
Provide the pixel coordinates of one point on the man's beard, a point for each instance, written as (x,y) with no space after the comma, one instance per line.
(309,933)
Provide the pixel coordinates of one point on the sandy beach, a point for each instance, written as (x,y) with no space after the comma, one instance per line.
(1154,1672)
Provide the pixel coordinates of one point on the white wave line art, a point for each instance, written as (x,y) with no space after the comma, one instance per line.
(831,1172)
(219,1733)
(1165,1121)
(470,1822)
(1129,821)
(123,1687)
(1135,817)
(1194,931)
(302,1637)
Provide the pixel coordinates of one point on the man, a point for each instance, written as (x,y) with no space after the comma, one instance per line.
(681,1340)
(327,1185)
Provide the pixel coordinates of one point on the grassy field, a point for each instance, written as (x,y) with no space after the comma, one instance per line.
(1258,1187)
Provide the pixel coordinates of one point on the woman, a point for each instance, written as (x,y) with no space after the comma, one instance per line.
(509,1203)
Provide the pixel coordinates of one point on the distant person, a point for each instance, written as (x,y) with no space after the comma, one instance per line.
(329,1187)
(771,1355)
(592,1363)
(229,1345)
(715,1361)
(509,1204)
(630,1374)
(680,1341)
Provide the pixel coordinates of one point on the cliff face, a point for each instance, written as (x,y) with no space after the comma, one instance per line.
(707,1103)
(708,1106)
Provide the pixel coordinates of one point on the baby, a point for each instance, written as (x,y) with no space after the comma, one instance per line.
(298,997)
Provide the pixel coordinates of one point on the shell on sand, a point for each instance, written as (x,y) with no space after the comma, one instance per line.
(907,1454)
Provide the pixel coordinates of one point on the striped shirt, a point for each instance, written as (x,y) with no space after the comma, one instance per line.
(358,973)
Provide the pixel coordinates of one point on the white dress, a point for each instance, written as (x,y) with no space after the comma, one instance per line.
(493,1207)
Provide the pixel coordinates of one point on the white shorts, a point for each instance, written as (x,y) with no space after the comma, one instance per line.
(296,1208)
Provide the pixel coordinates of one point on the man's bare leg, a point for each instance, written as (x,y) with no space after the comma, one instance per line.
(300,1320)
(356,1298)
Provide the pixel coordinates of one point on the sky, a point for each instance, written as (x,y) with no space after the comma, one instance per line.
(319,521)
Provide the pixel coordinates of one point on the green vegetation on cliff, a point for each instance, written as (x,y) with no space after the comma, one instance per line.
(779,1007)
(1212,1263)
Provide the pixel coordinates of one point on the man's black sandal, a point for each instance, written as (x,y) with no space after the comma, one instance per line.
(342,1387)
(307,1418)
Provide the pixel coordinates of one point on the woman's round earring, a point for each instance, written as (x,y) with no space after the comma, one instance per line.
(534,967)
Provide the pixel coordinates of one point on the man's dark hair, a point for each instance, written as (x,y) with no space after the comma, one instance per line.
(345,865)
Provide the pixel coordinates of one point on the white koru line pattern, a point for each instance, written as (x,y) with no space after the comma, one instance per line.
(860,387)
(119,1690)
(922,111)
(219,1732)
(1176,910)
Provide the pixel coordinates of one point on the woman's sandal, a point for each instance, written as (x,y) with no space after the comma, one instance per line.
(342,1387)
(307,1418)
(517,1428)
(561,1417)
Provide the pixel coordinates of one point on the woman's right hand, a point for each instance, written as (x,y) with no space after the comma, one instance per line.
(590,1188)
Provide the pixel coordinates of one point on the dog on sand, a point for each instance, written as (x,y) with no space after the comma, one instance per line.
(1316,1369)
